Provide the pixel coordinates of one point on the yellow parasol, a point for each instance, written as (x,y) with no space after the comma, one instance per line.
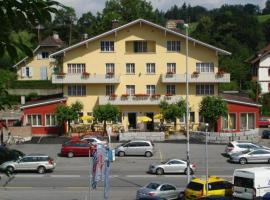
(144,119)
(87,117)
(158,116)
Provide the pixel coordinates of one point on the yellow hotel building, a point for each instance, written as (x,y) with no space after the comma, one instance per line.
(134,67)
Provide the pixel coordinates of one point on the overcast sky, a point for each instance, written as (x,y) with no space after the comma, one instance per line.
(82,6)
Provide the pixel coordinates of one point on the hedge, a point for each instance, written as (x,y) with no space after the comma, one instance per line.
(35,84)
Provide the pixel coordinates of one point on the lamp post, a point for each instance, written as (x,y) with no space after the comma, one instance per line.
(187,107)
(206,156)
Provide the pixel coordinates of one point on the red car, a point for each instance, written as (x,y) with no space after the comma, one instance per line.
(264,122)
(77,148)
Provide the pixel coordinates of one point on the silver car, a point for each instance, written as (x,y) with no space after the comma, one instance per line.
(171,166)
(155,189)
(33,162)
(251,156)
(136,147)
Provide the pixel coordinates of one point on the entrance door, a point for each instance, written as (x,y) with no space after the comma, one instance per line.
(150,125)
(132,120)
(43,73)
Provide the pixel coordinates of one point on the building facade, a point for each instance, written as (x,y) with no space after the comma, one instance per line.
(40,66)
(137,65)
(260,68)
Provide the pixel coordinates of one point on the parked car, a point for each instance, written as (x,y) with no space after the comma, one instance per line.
(266,196)
(264,121)
(156,189)
(266,134)
(171,166)
(216,187)
(215,198)
(33,162)
(77,148)
(136,147)
(9,154)
(93,140)
(239,146)
(251,156)
(152,198)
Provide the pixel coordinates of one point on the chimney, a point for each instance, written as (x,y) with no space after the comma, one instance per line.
(55,36)
(174,23)
(115,23)
(22,100)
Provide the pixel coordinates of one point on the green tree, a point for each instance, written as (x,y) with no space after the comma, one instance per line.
(173,111)
(16,15)
(66,114)
(104,113)
(211,108)
(4,100)
(265,101)
(266,9)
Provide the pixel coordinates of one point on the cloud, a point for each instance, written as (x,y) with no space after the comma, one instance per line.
(83,6)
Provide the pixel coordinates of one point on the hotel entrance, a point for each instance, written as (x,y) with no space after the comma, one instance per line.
(150,125)
(132,120)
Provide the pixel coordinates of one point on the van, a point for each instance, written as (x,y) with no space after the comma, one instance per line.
(250,183)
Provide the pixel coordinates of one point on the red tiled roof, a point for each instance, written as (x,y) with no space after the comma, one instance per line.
(261,53)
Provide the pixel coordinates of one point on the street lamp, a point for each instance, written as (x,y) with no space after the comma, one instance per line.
(206,155)
(187,107)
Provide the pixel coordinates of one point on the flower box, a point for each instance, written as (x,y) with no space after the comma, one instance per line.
(110,73)
(141,95)
(124,95)
(168,95)
(195,74)
(220,73)
(113,95)
(85,74)
(155,95)
(61,74)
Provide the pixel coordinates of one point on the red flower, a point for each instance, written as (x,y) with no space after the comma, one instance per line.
(168,94)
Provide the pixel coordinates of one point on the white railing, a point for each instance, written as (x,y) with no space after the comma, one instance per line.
(138,100)
(198,78)
(81,79)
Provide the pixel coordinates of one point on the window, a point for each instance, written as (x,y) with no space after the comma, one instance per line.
(51,120)
(107,46)
(173,46)
(205,67)
(216,185)
(76,90)
(150,89)
(130,89)
(247,121)
(243,182)
(171,68)
(140,46)
(27,71)
(76,68)
(109,68)
(150,68)
(130,68)
(109,90)
(34,120)
(45,55)
(204,89)
(268,72)
(191,117)
(228,122)
(170,89)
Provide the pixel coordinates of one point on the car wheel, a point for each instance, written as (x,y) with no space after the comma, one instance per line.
(269,161)
(148,154)
(121,153)
(242,161)
(159,171)
(70,154)
(41,170)
(190,171)
(181,196)
(10,169)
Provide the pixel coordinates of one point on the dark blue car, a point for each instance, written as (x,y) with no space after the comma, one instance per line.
(266,196)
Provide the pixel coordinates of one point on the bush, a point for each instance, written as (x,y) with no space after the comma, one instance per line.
(35,84)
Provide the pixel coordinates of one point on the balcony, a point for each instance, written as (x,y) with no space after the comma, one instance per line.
(84,79)
(196,78)
(138,100)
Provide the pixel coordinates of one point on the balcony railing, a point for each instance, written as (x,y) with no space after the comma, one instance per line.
(88,78)
(196,78)
(138,100)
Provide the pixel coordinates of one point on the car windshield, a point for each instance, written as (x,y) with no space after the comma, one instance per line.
(195,186)
(153,186)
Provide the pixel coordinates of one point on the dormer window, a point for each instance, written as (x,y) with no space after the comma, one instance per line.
(107,46)
(43,55)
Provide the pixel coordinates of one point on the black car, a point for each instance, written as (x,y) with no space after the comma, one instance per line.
(7,154)
(266,134)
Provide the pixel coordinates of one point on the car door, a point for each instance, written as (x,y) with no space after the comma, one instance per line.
(85,147)
(255,156)
(24,163)
(172,166)
(168,192)
(216,188)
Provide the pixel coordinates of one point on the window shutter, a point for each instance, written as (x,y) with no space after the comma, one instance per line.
(23,71)
(31,73)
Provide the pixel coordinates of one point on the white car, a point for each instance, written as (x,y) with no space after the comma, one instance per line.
(239,146)
(93,140)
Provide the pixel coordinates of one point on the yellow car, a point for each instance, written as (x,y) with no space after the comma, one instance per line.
(216,187)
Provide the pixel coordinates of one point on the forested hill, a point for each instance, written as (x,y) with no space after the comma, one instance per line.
(240,29)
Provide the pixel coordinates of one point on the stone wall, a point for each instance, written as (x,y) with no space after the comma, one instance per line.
(224,138)
(153,136)
(22,131)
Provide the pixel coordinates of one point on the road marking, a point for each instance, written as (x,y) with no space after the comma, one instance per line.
(29,176)
(65,176)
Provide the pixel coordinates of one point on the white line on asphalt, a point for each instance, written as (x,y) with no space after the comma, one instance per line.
(65,176)
(29,176)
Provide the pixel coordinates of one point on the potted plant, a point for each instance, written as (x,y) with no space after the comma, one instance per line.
(85,74)
(141,95)
(168,95)
(220,73)
(113,96)
(125,95)
(155,95)
(195,74)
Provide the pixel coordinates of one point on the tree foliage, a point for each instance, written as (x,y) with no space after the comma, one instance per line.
(211,108)
(173,111)
(104,113)
(265,101)
(67,114)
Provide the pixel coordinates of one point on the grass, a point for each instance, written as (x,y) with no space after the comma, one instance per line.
(263,18)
